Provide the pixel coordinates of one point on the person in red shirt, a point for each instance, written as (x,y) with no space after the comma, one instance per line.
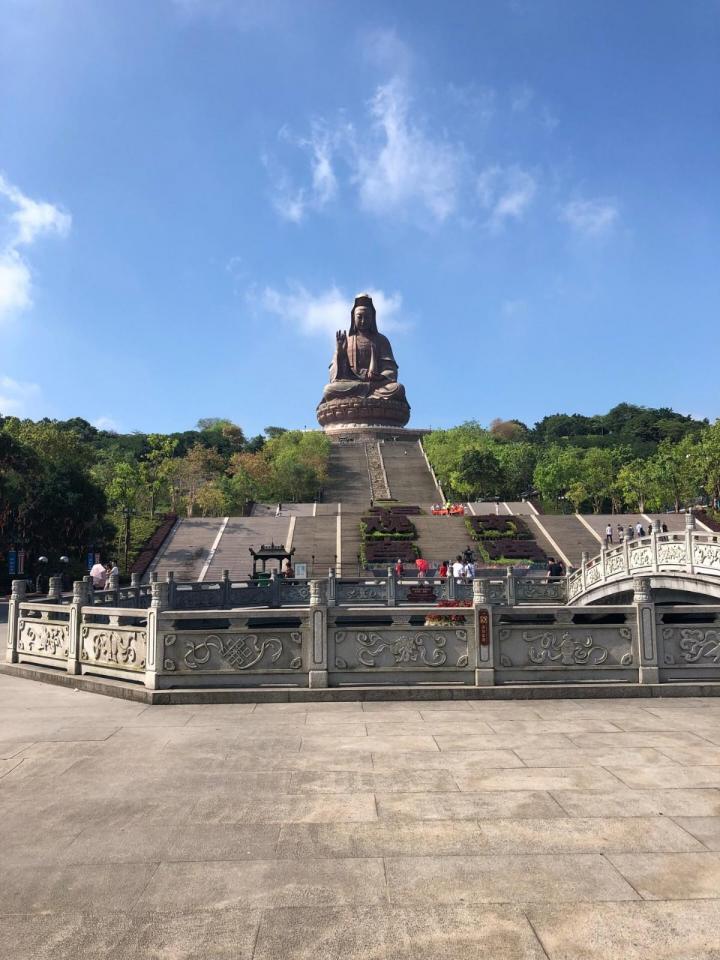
(399,568)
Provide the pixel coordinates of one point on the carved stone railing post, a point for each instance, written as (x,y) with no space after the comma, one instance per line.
(603,552)
(583,568)
(19,590)
(689,542)
(647,634)
(89,589)
(331,588)
(55,590)
(80,598)
(135,587)
(274,590)
(226,588)
(626,555)
(451,586)
(158,603)
(391,588)
(654,546)
(484,646)
(510,586)
(318,667)
(114,586)
(172,589)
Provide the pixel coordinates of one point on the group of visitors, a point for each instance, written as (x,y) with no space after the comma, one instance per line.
(632,532)
(100,574)
(555,568)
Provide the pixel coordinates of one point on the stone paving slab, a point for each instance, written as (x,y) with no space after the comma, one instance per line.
(404,830)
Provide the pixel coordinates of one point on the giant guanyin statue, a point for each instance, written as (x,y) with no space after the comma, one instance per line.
(363,388)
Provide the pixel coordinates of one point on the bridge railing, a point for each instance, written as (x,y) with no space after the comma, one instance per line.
(691,552)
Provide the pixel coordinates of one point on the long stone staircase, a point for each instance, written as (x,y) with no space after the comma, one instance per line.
(571,535)
(240,534)
(441,538)
(187,548)
(349,479)
(315,542)
(409,478)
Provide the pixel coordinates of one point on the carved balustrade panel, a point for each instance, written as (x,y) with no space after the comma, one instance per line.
(534,590)
(234,650)
(113,646)
(352,592)
(564,646)
(692,646)
(294,593)
(593,574)
(706,553)
(198,596)
(615,563)
(253,595)
(43,637)
(575,586)
(406,648)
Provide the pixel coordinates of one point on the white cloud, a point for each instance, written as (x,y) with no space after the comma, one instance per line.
(15,396)
(292,202)
(106,423)
(506,193)
(22,221)
(591,218)
(14,284)
(405,166)
(326,311)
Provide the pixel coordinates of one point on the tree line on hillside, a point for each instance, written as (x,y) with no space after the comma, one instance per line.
(67,488)
(632,458)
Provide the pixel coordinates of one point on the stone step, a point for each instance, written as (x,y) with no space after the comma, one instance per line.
(409,478)
(187,548)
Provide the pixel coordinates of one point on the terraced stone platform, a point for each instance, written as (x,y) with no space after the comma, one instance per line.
(545,830)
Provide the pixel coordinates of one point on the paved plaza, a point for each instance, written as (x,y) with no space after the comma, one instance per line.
(423,830)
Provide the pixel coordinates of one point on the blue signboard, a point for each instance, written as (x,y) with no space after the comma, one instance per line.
(12,561)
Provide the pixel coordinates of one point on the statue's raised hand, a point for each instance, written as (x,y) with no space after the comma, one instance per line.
(341,341)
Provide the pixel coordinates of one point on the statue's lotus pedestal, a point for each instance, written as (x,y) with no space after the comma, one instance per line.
(334,416)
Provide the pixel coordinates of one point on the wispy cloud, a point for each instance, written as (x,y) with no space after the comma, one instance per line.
(326,311)
(506,193)
(397,166)
(22,222)
(16,396)
(408,165)
(591,218)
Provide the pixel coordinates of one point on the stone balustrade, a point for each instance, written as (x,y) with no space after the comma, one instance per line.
(339,634)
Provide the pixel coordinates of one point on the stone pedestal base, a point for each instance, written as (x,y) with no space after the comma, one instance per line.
(357,412)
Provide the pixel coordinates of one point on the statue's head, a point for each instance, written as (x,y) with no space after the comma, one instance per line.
(362,315)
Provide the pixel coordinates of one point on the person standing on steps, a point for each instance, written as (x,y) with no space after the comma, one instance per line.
(608,535)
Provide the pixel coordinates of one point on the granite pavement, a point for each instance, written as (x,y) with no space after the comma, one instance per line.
(551,830)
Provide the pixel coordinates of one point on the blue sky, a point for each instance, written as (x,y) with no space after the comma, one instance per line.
(193,190)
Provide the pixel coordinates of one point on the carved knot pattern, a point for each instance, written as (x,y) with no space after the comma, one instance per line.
(240,651)
(695,644)
(706,554)
(43,639)
(295,592)
(570,651)
(121,648)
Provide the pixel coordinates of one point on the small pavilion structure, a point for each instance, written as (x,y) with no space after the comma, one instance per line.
(267,552)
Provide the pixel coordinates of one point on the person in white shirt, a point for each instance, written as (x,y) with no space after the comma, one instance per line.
(114,570)
(608,535)
(457,568)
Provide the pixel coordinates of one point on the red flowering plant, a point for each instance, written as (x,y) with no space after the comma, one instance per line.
(447,619)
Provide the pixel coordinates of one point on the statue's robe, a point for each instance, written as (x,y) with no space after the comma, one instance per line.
(370,370)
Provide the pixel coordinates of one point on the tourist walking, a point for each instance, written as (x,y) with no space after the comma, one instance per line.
(443,569)
(458,568)
(608,535)
(98,575)
(621,533)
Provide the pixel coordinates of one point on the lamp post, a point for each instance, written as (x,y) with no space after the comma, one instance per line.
(38,579)
(126,514)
